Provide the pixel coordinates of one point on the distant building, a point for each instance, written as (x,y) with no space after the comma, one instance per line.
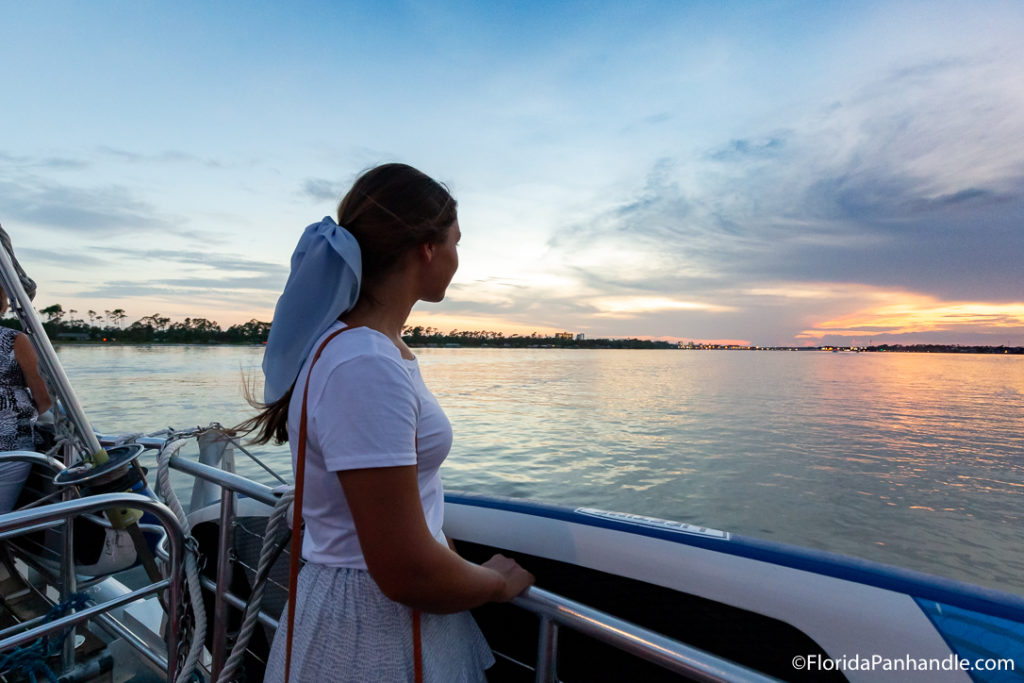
(579,337)
(73,336)
(563,335)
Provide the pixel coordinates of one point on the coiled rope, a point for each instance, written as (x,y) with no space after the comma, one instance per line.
(31,659)
(268,553)
(163,482)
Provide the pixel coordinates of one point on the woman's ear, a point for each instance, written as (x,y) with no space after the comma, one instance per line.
(427,250)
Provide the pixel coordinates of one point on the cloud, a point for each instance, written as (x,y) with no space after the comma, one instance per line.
(535,305)
(165,157)
(210,259)
(45,163)
(650,121)
(660,232)
(636,305)
(969,195)
(527,305)
(270,284)
(209,287)
(185,295)
(58,257)
(320,189)
(183,283)
(56,163)
(127,289)
(102,211)
(743,149)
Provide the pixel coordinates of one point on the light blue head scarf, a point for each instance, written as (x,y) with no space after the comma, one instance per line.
(324,283)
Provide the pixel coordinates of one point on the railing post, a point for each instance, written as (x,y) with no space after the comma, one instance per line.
(69,578)
(215,450)
(69,585)
(547,652)
(220,605)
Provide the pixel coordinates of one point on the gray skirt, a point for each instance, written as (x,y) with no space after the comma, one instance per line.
(346,629)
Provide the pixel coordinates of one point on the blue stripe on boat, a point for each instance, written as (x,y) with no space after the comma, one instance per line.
(975,636)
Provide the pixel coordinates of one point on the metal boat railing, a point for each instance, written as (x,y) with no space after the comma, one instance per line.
(56,514)
(690,662)
(553,610)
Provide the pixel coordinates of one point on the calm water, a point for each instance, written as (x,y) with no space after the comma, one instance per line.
(910,459)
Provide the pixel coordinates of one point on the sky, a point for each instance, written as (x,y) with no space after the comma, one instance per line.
(771,173)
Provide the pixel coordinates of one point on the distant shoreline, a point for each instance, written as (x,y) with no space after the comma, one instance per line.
(620,345)
(158,330)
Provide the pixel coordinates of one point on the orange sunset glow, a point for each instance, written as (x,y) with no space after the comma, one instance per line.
(476,323)
(916,314)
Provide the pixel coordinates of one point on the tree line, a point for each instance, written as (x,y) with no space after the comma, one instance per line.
(429,336)
(111,326)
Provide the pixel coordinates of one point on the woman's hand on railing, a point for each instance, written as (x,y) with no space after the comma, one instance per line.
(516,578)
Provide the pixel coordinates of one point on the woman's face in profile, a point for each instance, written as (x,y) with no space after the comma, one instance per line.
(443,264)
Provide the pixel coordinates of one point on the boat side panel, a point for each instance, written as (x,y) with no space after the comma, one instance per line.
(852,569)
(845,618)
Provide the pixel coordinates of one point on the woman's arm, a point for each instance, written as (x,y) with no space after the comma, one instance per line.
(406,561)
(26,357)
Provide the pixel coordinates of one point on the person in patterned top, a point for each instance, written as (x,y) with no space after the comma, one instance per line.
(23,396)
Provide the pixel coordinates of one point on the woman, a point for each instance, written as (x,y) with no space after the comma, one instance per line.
(23,396)
(375,438)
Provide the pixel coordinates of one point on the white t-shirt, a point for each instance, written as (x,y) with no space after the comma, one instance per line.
(367,407)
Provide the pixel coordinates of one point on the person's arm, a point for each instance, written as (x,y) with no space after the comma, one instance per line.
(26,357)
(406,561)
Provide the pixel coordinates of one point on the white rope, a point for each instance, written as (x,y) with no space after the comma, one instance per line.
(252,609)
(64,433)
(163,482)
(57,447)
